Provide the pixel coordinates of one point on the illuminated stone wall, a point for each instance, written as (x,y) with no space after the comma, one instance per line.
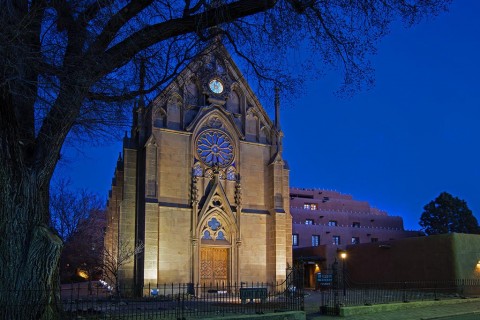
(202,184)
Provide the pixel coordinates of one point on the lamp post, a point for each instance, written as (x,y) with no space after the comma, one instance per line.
(343,255)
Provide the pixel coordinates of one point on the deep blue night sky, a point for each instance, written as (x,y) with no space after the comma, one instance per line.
(398,145)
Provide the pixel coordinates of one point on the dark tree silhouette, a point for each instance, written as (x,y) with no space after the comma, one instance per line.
(67,65)
(447,214)
(78,216)
(73,211)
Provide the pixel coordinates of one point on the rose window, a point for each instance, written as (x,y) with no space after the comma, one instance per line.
(215,148)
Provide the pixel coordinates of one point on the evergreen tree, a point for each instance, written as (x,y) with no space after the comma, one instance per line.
(447,214)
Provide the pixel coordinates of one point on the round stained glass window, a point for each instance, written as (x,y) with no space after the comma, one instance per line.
(215,148)
(216,86)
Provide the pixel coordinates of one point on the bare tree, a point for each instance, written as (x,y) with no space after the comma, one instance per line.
(114,259)
(68,66)
(83,250)
(71,211)
(78,216)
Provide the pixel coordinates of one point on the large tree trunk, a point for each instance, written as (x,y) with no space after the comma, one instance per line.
(29,249)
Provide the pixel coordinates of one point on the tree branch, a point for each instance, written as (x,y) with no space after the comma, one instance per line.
(122,52)
(91,11)
(116,22)
(188,11)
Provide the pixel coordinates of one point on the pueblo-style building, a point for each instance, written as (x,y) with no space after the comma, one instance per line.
(326,222)
(201,183)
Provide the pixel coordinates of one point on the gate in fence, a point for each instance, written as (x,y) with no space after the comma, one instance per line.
(332,286)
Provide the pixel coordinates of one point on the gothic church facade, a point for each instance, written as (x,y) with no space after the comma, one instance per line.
(202,184)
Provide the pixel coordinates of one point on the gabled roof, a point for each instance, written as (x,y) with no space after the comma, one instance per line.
(195,66)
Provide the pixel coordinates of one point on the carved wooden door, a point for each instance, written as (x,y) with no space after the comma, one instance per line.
(214,266)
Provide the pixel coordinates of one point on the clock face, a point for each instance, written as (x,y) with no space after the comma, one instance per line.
(216,86)
(215,148)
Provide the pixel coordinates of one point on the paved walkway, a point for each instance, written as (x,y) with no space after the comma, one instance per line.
(461,309)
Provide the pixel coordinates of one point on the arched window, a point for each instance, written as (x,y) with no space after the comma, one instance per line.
(264,135)
(206,235)
(191,93)
(251,127)
(231,174)
(233,102)
(173,113)
(197,170)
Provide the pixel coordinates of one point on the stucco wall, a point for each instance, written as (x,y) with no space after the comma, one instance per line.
(440,257)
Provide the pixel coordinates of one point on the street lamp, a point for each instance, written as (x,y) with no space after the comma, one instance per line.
(343,255)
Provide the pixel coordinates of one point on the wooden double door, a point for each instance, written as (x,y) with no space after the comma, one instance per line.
(214,265)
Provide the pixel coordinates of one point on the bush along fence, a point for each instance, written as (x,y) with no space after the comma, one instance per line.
(98,300)
(337,290)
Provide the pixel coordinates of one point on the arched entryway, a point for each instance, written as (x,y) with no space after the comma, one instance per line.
(216,254)
(215,251)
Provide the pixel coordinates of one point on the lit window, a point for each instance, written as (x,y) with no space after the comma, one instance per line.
(309,221)
(295,240)
(214,224)
(213,230)
(336,240)
(374,239)
(306,206)
(231,174)
(332,223)
(356,224)
(310,206)
(355,240)
(315,240)
(197,170)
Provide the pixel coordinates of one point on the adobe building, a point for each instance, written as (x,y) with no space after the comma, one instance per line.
(325,222)
(202,183)
(445,257)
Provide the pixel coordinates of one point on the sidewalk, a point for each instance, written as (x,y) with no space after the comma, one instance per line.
(458,309)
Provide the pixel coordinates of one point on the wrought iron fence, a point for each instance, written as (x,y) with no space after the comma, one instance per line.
(181,301)
(98,300)
(337,290)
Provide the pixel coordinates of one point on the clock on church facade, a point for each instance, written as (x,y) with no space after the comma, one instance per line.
(202,184)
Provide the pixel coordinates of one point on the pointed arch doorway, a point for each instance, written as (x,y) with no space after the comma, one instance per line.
(216,253)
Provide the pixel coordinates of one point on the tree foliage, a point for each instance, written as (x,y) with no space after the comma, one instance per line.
(447,214)
(69,66)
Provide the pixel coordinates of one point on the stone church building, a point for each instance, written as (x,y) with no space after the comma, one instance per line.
(201,184)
